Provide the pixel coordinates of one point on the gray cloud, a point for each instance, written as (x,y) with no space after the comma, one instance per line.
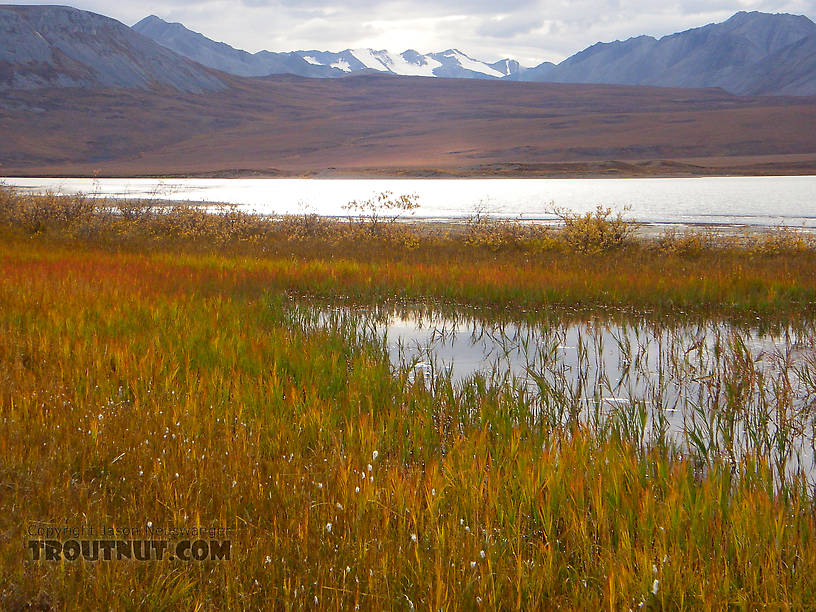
(531,31)
(471,7)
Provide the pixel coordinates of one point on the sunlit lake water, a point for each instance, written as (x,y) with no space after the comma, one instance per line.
(760,201)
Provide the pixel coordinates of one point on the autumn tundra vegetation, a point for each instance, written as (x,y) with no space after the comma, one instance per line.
(174,366)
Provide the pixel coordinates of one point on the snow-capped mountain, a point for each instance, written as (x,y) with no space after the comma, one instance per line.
(451,63)
(749,54)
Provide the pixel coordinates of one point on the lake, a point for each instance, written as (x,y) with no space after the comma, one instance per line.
(736,201)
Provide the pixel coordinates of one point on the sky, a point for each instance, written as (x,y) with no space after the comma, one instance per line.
(530,31)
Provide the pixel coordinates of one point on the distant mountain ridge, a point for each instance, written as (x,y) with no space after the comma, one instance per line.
(749,54)
(221,56)
(54,46)
(313,63)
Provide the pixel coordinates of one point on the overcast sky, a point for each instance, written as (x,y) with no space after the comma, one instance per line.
(530,31)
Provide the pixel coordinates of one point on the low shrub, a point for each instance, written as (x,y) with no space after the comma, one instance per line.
(380,216)
(595,231)
(495,233)
(783,240)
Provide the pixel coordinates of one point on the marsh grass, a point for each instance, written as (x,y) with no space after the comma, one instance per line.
(156,369)
(485,263)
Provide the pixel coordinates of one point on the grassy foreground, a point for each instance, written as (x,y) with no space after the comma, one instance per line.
(150,380)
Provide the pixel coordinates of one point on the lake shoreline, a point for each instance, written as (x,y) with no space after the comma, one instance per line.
(763,166)
(768,201)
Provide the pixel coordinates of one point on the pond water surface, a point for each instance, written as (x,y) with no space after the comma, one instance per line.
(712,387)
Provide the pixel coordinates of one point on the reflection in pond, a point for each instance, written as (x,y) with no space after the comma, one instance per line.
(712,389)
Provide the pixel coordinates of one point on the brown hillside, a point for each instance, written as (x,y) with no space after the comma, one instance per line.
(404,125)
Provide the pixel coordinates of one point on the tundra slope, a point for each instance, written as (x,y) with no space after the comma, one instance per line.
(287,125)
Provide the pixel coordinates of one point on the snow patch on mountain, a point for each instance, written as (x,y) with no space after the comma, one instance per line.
(411,63)
(420,66)
(340,64)
(468,63)
(369,59)
(506,66)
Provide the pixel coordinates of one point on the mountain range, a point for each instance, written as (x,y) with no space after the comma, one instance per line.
(45,46)
(749,54)
(451,63)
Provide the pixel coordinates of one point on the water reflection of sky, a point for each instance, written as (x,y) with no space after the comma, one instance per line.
(760,201)
(711,378)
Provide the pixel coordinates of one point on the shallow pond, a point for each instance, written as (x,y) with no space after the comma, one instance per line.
(712,388)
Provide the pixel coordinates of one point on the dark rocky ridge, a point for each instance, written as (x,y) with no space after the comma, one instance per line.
(53,46)
(223,57)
